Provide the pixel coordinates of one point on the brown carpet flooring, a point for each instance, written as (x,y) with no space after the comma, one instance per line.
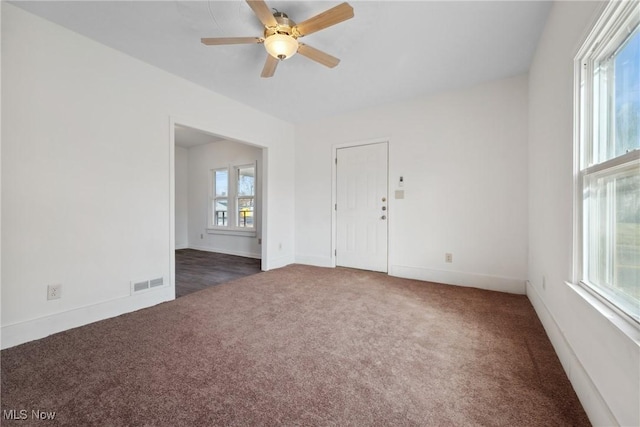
(197,270)
(302,346)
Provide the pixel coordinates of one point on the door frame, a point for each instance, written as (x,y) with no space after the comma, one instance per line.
(334,190)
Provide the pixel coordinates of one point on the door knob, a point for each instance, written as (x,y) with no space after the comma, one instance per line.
(383,217)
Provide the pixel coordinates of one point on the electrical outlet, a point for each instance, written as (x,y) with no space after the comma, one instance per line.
(54,291)
(448,257)
(259,240)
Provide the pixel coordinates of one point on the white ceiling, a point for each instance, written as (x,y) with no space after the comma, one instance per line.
(390,50)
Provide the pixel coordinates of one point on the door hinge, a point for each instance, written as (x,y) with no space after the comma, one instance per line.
(335,252)
(336,160)
(335,207)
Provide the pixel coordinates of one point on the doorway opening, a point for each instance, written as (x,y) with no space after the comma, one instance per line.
(218,186)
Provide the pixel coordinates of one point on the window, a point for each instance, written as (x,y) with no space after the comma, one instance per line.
(220,197)
(240,191)
(608,153)
(245,196)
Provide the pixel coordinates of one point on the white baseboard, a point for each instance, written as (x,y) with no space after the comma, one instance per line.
(278,262)
(182,246)
(225,251)
(592,401)
(491,283)
(22,332)
(317,261)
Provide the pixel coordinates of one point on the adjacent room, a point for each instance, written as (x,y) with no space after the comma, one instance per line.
(215,244)
(259,212)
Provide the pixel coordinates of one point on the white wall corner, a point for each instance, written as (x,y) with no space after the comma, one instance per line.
(592,401)
(457,278)
(22,332)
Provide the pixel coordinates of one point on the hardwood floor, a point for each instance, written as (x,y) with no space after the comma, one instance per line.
(196,270)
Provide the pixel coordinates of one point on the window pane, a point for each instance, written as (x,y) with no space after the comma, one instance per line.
(627,96)
(245,212)
(220,212)
(221,183)
(616,90)
(612,236)
(246,181)
(627,249)
(602,130)
(598,234)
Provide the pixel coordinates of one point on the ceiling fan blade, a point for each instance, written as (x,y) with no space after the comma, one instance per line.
(263,12)
(330,17)
(318,55)
(212,41)
(269,66)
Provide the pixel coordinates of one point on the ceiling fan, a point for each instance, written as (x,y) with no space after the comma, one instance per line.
(281,35)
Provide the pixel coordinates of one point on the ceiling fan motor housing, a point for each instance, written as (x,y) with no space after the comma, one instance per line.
(285,26)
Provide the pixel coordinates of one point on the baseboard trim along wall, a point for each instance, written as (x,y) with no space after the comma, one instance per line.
(317,261)
(224,251)
(592,401)
(472,280)
(182,246)
(277,262)
(22,332)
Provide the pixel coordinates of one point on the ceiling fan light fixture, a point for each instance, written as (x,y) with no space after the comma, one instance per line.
(281,46)
(280,35)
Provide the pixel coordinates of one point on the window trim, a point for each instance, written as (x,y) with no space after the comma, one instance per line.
(603,41)
(231,229)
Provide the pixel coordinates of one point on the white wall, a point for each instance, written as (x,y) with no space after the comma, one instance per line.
(87,174)
(602,361)
(202,159)
(463,158)
(182,197)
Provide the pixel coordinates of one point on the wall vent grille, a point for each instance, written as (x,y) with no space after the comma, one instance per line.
(139,286)
(154,283)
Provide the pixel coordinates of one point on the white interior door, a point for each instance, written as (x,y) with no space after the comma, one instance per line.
(361,209)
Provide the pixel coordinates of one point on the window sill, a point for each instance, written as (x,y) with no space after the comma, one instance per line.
(626,325)
(228,231)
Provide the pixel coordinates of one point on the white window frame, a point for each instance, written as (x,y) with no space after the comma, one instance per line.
(617,21)
(232,197)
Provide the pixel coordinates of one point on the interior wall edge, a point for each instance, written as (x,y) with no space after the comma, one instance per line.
(592,401)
